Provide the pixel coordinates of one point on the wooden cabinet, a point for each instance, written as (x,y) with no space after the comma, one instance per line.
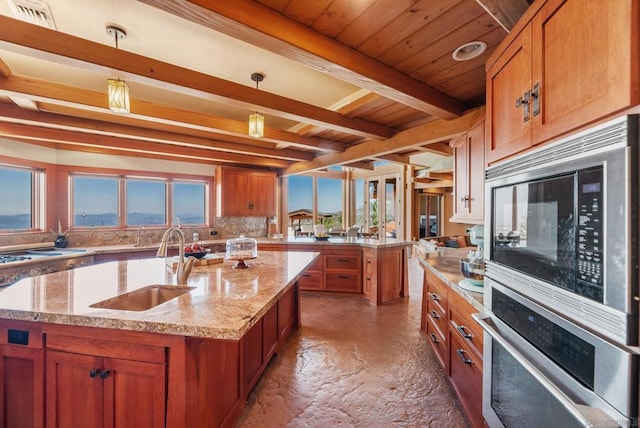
(456,340)
(313,278)
(21,377)
(241,192)
(118,384)
(265,337)
(572,63)
(384,273)
(468,185)
(342,268)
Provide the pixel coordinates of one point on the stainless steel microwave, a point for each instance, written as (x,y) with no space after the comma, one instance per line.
(562,227)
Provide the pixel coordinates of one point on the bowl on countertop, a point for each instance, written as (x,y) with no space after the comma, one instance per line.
(321,237)
(198,255)
(472,271)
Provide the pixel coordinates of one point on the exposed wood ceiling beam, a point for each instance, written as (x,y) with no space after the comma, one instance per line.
(436,176)
(28,132)
(13,114)
(361,165)
(505,12)
(435,131)
(55,46)
(425,183)
(81,99)
(5,71)
(395,158)
(438,149)
(249,21)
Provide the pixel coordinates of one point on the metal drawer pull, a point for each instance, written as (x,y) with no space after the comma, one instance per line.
(434,297)
(464,359)
(93,373)
(343,276)
(463,332)
(306,274)
(343,260)
(434,339)
(434,314)
(104,374)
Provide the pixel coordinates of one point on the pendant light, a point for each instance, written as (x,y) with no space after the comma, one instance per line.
(256,120)
(118,90)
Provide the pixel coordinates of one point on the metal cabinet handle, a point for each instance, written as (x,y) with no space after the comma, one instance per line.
(535,94)
(464,359)
(104,374)
(342,260)
(434,339)
(93,373)
(306,274)
(434,314)
(464,332)
(434,297)
(343,276)
(523,102)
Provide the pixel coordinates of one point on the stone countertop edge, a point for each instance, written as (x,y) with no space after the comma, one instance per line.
(447,268)
(180,317)
(374,243)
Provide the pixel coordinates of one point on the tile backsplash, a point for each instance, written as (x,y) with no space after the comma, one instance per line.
(226,227)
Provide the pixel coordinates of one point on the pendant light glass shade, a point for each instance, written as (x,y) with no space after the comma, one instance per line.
(256,125)
(118,95)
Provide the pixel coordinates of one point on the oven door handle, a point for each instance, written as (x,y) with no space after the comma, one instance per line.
(596,417)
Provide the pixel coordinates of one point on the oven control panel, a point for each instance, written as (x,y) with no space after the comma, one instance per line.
(589,250)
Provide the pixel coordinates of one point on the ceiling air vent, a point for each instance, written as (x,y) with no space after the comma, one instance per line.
(34,12)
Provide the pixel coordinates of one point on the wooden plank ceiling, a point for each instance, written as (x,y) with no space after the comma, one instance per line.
(410,95)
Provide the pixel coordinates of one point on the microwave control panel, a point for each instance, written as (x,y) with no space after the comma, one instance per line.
(590,258)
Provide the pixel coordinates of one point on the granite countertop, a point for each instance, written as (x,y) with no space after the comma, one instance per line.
(363,242)
(446,266)
(224,304)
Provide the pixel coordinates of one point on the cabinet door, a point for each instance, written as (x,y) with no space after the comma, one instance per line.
(234,192)
(461,177)
(21,387)
(475,150)
(74,390)
(269,333)
(508,128)
(262,201)
(585,57)
(466,378)
(251,356)
(286,313)
(134,394)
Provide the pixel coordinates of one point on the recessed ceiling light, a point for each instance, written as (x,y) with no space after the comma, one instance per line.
(469,50)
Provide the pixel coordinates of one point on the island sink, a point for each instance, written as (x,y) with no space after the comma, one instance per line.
(144,298)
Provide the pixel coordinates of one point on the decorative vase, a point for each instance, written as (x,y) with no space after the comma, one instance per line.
(61,241)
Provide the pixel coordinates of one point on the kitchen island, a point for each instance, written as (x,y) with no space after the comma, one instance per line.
(374,268)
(190,361)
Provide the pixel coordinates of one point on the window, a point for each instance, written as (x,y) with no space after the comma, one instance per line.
(359,202)
(146,203)
(189,202)
(330,202)
(20,209)
(95,201)
(300,201)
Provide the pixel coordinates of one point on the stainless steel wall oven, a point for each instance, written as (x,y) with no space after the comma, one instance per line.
(561,282)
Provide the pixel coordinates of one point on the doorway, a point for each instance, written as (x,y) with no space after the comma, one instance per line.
(429,218)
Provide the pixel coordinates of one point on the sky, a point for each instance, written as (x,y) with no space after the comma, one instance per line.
(301,194)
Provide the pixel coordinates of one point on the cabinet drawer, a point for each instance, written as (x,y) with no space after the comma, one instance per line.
(438,320)
(335,262)
(107,348)
(460,315)
(437,291)
(346,282)
(438,343)
(466,378)
(310,280)
(341,250)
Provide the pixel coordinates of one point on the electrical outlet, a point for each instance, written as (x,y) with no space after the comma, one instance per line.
(213,233)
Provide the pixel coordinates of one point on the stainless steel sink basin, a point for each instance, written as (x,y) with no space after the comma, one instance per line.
(143,298)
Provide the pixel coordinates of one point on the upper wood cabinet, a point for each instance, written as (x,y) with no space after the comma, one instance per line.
(468,195)
(247,193)
(574,62)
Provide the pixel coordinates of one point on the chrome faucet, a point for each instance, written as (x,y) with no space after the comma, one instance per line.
(175,222)
(184,268)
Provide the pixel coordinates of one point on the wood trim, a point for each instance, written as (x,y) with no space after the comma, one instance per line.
(505,12)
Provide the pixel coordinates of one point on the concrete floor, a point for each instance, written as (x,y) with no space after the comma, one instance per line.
(355,365)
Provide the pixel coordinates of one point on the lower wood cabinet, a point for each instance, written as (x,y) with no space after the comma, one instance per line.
(21,375)
(456,340)
(342,268)
(98,389)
